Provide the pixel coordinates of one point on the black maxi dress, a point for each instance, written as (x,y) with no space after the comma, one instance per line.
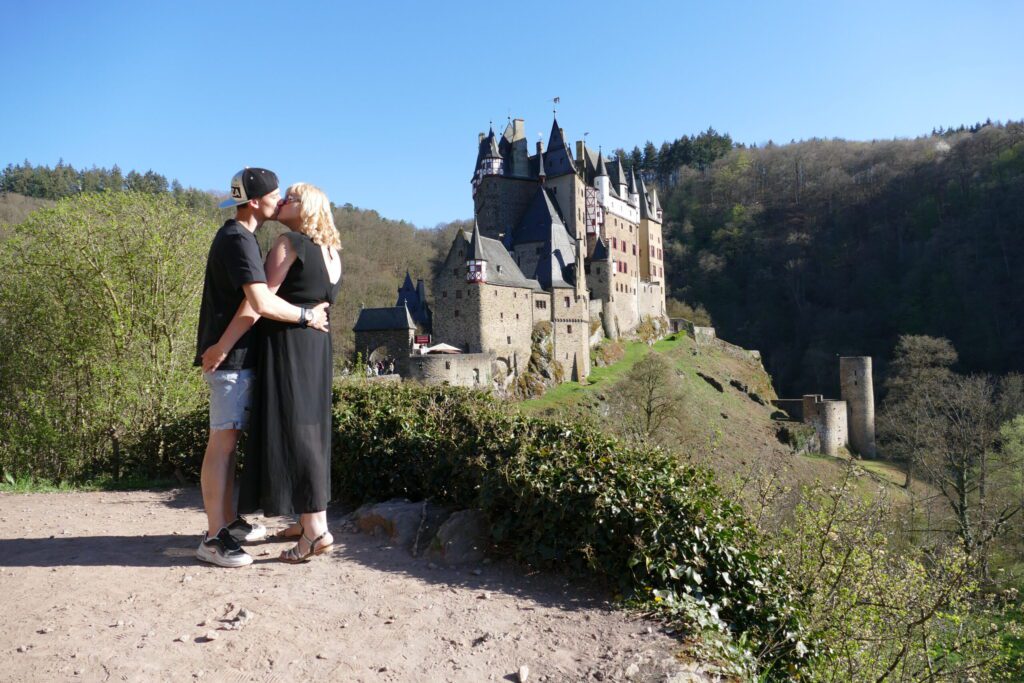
(287,468)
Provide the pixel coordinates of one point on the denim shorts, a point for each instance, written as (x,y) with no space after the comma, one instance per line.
(230,398)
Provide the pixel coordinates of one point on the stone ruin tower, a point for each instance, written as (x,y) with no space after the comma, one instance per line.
(857,390)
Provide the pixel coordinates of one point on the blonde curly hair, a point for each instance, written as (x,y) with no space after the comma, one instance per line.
(315,210)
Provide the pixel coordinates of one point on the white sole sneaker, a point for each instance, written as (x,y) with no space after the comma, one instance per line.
(209,554)
(257,533)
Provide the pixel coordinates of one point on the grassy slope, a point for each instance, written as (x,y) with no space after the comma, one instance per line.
(727,430)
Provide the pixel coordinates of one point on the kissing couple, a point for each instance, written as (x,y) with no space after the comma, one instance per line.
(265,350)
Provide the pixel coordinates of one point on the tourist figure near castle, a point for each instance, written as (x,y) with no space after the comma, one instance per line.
(287,465)
(235,274)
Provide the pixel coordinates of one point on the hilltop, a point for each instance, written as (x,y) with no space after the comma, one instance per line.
(735,430)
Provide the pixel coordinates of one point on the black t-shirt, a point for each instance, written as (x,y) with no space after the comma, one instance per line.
(234,260)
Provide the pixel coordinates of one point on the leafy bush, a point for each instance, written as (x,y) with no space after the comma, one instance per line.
(883,612)
(562,494)
(98,309)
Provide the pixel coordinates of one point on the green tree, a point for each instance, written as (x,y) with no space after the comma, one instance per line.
(99,305)
(648,401)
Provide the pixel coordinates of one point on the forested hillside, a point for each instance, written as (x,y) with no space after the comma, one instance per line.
(821,248)
(377,251)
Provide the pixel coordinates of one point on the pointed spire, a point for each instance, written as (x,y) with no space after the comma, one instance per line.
(407,285)
(555,140)
(540,163)
(632,181)
(645,208)
(476,247)
(601,168)
(492,146)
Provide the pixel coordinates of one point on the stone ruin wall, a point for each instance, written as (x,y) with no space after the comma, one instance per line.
(828,418)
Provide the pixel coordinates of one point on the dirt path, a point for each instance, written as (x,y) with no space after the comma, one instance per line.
(105,587)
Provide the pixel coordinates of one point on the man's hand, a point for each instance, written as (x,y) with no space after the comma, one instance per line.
(213,357)
(320,320)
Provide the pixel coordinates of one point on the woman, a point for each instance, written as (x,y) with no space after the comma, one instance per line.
(287,468)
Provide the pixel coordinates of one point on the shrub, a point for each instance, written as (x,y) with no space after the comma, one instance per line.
(562,494)
(880,612)
(98,309)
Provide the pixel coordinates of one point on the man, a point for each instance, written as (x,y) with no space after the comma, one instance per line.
(234,272)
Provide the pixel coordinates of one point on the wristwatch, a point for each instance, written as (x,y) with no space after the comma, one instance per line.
(306,316)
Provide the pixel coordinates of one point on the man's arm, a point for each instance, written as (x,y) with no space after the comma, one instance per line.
(261,300)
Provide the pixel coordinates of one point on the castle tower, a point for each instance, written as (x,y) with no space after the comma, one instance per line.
(857,389)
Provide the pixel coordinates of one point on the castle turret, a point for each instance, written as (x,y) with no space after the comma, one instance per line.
(655,206)
(601,180)
(857,389)
(476,263)
(489,159)
(634,194)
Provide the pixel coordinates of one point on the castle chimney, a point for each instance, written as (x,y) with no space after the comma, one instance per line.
(480,138)
(540,162)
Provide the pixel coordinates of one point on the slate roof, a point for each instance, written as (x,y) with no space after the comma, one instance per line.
(645,209)
(378,319)
(600,250)
(415,299)
(542,223)
(558,159)
(502,269)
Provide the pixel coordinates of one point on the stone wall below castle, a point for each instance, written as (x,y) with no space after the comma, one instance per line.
(457,370)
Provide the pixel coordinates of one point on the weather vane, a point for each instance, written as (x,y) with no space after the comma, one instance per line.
(554,109)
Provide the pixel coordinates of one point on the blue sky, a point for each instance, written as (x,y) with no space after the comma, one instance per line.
(380,103)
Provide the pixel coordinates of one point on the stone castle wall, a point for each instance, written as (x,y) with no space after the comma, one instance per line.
(829,420)
(379,344)
(505,317)
(651,299)
(459,370)
(500,203)
(570,325)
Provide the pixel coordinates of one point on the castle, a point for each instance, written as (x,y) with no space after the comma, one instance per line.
(561,237)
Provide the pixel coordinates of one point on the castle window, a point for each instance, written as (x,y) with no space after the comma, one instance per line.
(568,329)
(508,340)
(515,295)
(634,250)
(541,304)
(447,365)
(499,267)
(502,315)
(495,292)
(458,293)
(456,313)
(517,316)
(444,294)
(567,302)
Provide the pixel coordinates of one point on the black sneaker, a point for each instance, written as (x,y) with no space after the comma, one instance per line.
(244,531)
(222,550)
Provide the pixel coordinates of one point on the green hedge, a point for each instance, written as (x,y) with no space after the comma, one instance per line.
(561,494)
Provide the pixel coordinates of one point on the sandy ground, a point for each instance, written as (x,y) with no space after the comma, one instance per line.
(105,587)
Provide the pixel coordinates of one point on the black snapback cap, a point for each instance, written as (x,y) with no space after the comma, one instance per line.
(250,183)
